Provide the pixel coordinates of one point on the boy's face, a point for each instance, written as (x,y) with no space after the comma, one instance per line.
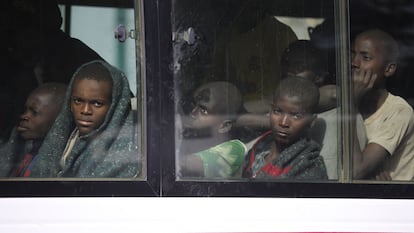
(39,115)
(289,120)
(204,115)
(367,54)
(90,102)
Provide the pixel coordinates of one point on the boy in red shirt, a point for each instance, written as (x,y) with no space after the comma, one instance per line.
(286,151)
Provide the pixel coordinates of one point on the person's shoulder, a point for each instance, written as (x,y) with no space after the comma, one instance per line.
(398,108)
(399,102)
(75,46)
(314,146)
(395,109)
(261,143)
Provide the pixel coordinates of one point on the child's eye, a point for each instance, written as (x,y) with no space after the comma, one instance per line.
(277,111)
(297,116)
(367,58)
(97,104)
(203,111)
(353,54)
(34,112)
(76,100)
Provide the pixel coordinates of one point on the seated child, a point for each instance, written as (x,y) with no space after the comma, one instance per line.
(388,119)
(302,59)
(42,106)
(93,136)
(209,130)
(285,151)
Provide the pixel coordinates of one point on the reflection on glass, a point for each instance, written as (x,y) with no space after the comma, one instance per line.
(229,57)
(59,120)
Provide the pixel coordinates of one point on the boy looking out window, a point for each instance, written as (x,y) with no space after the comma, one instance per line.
(388,119)
(286,151)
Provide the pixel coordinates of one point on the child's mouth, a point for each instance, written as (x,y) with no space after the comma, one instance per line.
(84,123)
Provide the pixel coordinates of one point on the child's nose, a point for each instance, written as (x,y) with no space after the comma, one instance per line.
(24,116)
(86,109)
(355,62)
(193,112)
(285,121)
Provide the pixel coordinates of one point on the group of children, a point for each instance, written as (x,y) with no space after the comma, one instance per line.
(85,131)
(382,125)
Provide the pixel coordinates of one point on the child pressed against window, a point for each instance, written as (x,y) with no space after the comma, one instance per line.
(388,119)
(285,151)
(212,145)
(303,59)
(93,134)
(41,109)
(215,107)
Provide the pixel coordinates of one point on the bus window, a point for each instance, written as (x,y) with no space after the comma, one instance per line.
(96,130)
(229,58)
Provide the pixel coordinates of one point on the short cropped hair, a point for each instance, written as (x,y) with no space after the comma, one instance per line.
(300,56)
(225,95)
(302,88)
(94,71)
(56,90)
(386,42)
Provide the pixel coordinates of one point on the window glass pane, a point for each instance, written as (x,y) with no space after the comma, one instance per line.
(229,57)
(382,45)
(86,126)
(102,22)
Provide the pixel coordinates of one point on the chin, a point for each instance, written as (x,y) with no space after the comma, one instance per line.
(82,133)
(27,138)
(197,133)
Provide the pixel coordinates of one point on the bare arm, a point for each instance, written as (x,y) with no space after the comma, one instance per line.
(191,166)
(367,159)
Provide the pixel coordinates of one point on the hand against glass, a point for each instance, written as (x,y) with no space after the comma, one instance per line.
(363,81)
(383,176)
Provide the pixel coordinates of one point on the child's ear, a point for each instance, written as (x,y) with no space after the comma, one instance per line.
(313,121)
(225,126)
(390,69)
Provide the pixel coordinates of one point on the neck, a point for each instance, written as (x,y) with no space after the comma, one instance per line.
(36,145)
(274,153)
(372,101)
(277,147)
